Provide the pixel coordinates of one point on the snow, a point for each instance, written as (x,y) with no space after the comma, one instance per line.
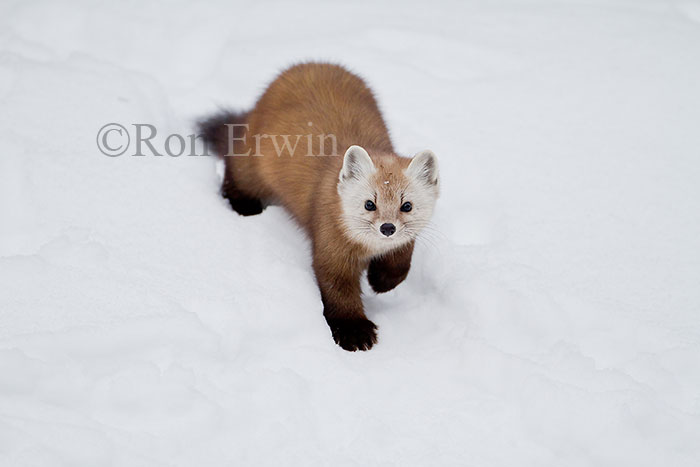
(550,317)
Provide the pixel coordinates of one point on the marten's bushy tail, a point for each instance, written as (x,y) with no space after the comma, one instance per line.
(217,135)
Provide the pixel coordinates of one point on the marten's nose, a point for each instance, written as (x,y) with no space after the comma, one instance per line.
(387,229)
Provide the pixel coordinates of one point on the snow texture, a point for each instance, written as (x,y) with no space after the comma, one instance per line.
(552,313)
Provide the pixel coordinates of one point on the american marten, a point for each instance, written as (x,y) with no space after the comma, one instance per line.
(362,210)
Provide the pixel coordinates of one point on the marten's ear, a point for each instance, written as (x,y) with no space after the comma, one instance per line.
(424,168)
(356,164)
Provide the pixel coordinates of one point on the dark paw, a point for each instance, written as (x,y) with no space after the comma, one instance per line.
(242,204)
(246,206)
(353,334)
(382,280)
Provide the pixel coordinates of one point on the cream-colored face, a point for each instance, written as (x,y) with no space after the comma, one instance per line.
(385,205)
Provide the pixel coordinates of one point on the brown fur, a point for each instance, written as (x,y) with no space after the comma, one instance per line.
(339,103)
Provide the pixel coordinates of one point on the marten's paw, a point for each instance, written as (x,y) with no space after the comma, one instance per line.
(246,206)
(383,279)
(353,334)
(242,204)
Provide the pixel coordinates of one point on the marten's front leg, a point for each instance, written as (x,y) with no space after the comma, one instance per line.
(339,281)
(239,201)
(387,271)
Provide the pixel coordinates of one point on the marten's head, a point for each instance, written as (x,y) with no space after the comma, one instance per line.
(386,200)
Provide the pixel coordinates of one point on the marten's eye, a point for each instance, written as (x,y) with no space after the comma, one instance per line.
(407,206)
(370,206)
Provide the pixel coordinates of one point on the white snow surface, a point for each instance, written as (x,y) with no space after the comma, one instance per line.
(552,313)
